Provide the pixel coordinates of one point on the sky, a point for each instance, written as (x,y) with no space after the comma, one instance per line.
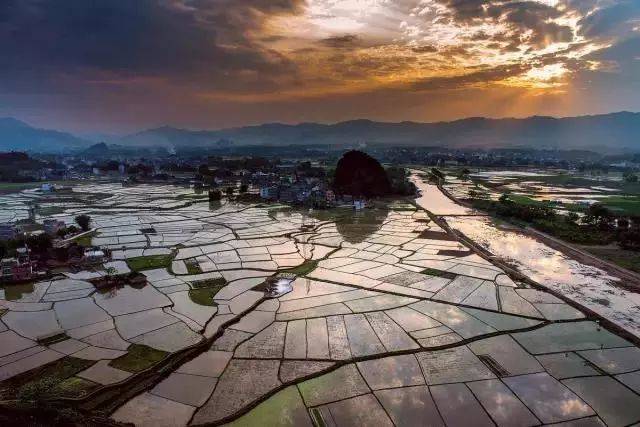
(118,66)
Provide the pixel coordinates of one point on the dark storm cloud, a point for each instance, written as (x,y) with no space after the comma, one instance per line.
(166,38)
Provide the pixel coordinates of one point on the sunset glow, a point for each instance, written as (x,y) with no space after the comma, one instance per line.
(223,62)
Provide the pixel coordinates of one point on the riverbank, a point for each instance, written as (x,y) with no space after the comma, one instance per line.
(592,287)
(631,278)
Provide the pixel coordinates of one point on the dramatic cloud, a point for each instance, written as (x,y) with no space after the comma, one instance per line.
(123,64)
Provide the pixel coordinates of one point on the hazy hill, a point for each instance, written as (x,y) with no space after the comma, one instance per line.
(616,131)
(605,133)
(17,135)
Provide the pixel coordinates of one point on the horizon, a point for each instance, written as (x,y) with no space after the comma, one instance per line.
(86,135)
(116,66)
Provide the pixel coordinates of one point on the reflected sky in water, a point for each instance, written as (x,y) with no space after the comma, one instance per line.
(587,285)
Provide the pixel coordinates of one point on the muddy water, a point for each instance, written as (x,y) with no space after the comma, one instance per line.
(587,285)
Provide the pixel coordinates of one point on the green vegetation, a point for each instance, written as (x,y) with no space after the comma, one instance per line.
(438,273)
(545,219)
(193,268)
(14,187)
(210,283)
(303,269)
(16,291)
(401,184)
(51,210)
(83,221)
(73,387)
(598,226)
(203,296)
(53,339)
(273,411)
(49,381)
(149,262)
(204,291)
(623,205)
(624,258)
(138,358)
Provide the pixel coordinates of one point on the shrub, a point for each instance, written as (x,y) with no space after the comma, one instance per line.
(83,221)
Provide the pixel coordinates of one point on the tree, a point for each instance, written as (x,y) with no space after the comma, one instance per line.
(464,174)
(109,273)
(83,221)
(572,217)
(437,174)
(630,176)
(39,243)
(360,175)
(597,214)
(623,223)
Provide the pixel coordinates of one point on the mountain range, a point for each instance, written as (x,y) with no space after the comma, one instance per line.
(615,132)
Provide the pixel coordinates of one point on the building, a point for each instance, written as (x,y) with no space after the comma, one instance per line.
(47,188)
(94,255)
(359,204)
(18,268)
(269,192)
(330,197)
(52,226)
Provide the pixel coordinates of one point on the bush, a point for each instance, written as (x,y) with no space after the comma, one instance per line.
(36,390)
(630,240)
(83,221)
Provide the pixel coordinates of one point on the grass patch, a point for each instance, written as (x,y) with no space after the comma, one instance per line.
(623,258)
(205,290)
(46,381)
(73,387)
(193,268)
(203,296)
(439,273)
(303,269)
(138,358)
(622,205)
(149,262)
(16,291)
(53,339)
(85,240)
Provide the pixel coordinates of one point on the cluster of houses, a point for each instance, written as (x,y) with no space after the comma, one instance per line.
(316,196)
(299,193)
(18,268)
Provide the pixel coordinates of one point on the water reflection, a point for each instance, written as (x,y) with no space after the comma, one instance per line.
(587,285)
(17,291)
(541,262)
(279,286)
(356,226)
(432,199)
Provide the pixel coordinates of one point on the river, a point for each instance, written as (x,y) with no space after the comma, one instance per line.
(589,286)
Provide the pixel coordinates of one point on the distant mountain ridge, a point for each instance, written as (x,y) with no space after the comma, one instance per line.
(17,135)
(598,132)
(614,131)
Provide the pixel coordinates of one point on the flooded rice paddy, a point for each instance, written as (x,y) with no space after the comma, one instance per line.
(388,320)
